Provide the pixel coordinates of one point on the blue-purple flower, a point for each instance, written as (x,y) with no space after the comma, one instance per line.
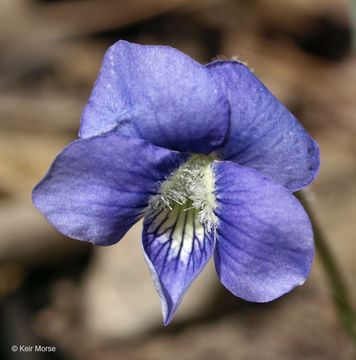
(210,159)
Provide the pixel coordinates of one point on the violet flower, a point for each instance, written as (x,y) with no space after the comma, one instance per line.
(210,159)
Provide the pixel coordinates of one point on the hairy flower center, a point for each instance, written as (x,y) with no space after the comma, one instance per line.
(191,186)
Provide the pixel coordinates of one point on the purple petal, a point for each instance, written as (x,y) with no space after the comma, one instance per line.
(97,188)
(158,94)
(264,242)
(176,249)
(263,134)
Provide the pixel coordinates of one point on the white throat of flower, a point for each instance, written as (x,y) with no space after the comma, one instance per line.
(191,186)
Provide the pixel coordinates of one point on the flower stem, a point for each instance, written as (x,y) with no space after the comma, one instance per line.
(339,292)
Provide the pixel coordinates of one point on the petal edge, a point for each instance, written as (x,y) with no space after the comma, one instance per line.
(265,240)
(263,134)
(176,250)
(159,94)
(97,188)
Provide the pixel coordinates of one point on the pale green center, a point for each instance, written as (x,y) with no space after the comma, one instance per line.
(191,186)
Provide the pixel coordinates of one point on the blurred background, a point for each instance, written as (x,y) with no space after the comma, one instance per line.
(100,303)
